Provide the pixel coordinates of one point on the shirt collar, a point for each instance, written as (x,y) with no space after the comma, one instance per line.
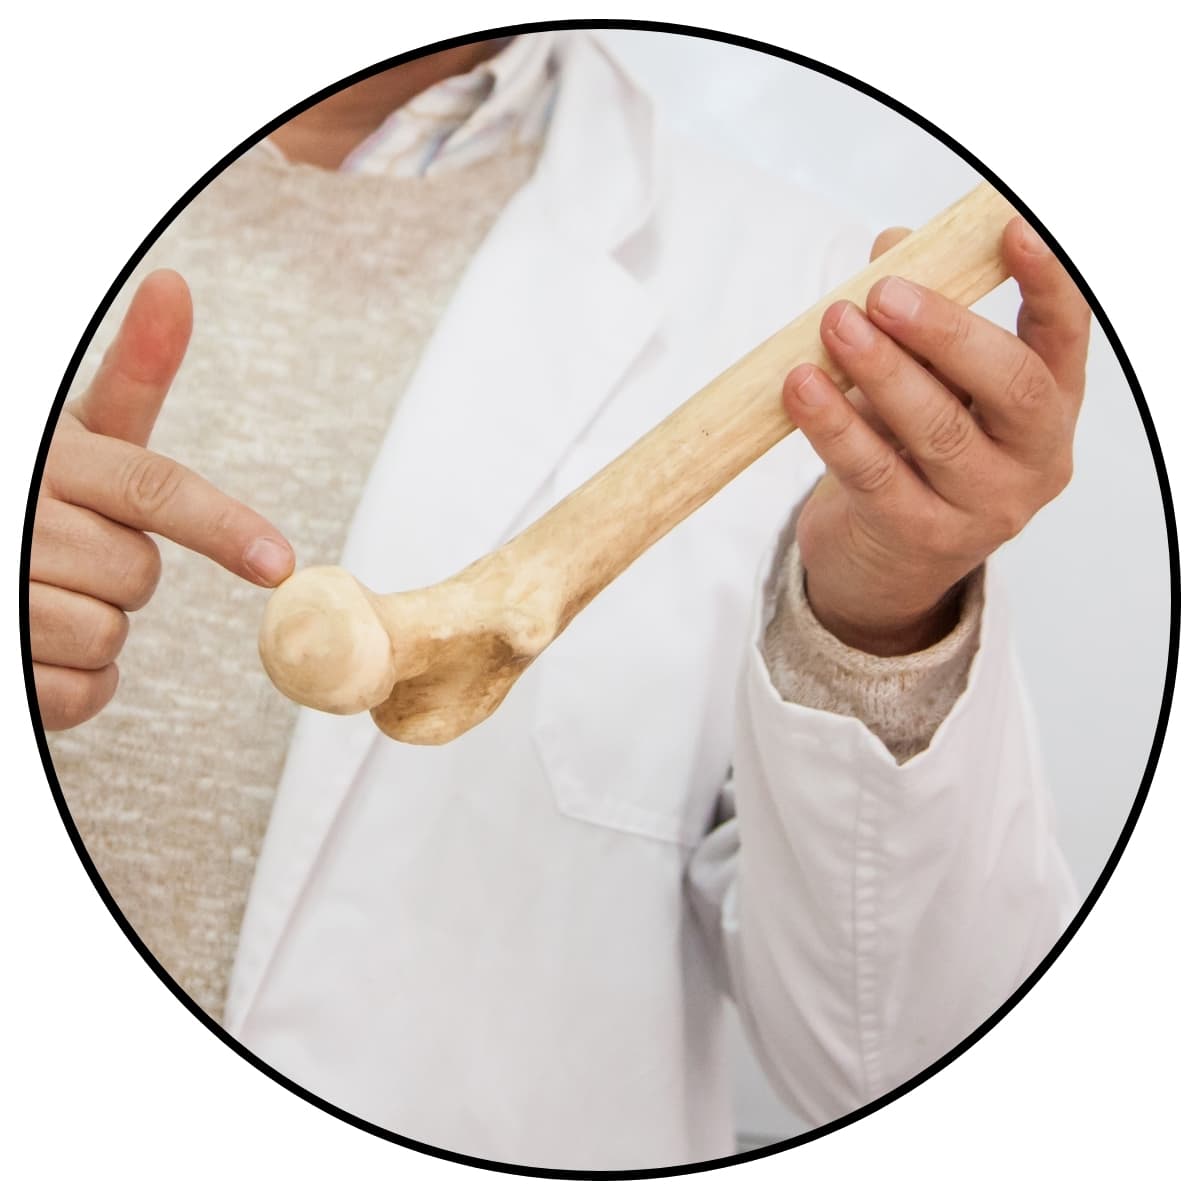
(501,103)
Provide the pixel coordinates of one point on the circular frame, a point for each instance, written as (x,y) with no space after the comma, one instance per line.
(1088,901)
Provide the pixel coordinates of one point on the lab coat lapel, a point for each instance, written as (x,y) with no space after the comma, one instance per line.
(544,324)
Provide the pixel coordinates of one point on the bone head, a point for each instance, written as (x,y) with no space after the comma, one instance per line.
(323,644)
(430,664)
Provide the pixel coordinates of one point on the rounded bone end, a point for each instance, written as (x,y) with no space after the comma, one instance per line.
(323,645)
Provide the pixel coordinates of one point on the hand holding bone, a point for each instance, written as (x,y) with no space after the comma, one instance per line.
(432,663)
(970,433)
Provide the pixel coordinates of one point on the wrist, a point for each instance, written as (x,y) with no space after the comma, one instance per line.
(888,631)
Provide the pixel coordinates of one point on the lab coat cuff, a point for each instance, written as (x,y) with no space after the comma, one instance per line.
(781,720)
(902,698)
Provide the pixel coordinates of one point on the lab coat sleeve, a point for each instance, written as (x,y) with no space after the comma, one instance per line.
(867,915)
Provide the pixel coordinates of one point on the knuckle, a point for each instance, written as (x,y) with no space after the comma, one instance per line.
(1057,476)
(1082,327)
(148,482)
(94,695)
(1028,386)
(1006,521)
(56,468)
(930,528)
(59,529)
(948,537)
(78,697)
(222,523)
(951,330)
(941,537)
(143,569)
(873,473)
(948,433)
(105,637)
(838,428)
(45,523)
(1063,474)
(921,526)
(1075,332)
(62,705)
(67,444)
(885,363)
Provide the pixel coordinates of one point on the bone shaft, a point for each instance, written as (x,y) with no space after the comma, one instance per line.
(592,535)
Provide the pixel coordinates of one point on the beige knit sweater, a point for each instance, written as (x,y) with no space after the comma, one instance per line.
(314,294)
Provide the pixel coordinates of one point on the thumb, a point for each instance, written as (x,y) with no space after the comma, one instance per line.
(887,239)
(124,397)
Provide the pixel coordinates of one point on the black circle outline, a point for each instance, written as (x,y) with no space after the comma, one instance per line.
(1168,680)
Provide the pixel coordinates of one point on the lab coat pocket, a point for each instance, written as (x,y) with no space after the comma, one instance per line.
(629,727)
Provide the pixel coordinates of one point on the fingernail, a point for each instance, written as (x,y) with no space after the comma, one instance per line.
(806,387)
(1031,240)
(270,560)
(898,299)
(853,328)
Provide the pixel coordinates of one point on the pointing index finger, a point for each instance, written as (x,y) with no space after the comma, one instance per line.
(147,491)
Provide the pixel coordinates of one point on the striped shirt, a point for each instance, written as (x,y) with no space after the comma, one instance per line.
(502,104)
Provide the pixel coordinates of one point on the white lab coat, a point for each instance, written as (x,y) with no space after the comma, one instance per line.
(516,946)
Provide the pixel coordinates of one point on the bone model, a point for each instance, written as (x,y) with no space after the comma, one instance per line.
(434,662)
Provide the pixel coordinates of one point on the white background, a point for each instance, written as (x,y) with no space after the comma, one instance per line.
(113,111)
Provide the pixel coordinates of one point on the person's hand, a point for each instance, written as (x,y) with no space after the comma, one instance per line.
(959,432)
(91,561)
